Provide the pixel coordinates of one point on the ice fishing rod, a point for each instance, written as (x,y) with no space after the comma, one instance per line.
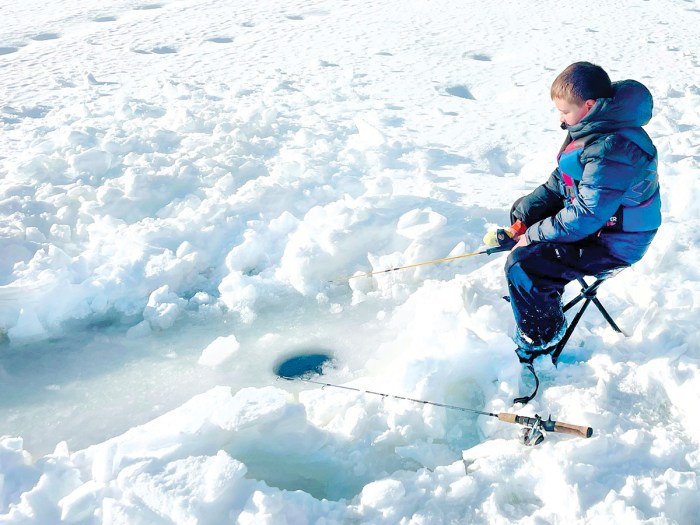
(488,251)
(532,435)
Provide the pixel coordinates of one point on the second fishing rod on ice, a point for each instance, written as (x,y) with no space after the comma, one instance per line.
(535,427)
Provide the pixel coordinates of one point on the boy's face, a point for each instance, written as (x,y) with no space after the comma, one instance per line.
(571,113)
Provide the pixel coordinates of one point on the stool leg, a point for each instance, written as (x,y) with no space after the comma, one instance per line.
(607,316)
(588,292)
(573,302)
(561,344)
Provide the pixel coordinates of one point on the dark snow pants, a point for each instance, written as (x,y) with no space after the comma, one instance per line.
(537,275)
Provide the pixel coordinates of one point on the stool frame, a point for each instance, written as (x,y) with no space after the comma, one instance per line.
(588,294)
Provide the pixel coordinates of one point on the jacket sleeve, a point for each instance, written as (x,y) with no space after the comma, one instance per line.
(609,167)
(543,201)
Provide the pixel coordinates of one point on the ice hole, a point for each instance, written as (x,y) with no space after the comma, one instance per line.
(304,364)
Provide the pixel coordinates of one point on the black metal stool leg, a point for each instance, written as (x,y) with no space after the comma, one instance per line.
(570,330)
(607,316)
(588,294)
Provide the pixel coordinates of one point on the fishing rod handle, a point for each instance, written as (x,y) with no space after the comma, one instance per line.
(497,249)
(574,430)
(548,425)
(508,417)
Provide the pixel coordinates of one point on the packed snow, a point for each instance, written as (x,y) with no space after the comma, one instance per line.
(190,191)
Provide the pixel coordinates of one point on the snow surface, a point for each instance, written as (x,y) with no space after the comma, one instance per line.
(183,181)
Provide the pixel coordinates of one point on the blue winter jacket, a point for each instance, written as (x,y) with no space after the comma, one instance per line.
(606,186)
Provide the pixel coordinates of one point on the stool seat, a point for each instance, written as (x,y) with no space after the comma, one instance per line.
(588,295)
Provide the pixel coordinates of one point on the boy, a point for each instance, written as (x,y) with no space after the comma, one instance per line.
(598,211)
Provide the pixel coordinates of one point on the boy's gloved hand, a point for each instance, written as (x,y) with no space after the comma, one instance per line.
(502,238)
(505,237)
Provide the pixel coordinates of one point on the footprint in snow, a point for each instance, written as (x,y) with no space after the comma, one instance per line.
(46,36)
(460,91)
(90,79)
(160,50)
(308,14)
(148,7)
(8,50)
(105,19)
(163,50)
(394,122)
(480,57)
(220,40)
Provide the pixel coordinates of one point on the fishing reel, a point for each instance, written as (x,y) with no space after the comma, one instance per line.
(532,434)
(536,428)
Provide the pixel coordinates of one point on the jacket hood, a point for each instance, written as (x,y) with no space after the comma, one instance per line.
(629,108)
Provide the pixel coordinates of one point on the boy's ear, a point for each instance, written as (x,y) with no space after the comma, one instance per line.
(589,103)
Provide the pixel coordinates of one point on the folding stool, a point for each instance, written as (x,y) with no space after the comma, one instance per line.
(587,295)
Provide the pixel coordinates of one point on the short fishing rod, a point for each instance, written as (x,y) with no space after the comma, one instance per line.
(488,251)
(536,426)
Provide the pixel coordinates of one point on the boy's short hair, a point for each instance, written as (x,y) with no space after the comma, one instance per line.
(582,81)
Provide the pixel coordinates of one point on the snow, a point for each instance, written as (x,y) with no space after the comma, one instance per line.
(186,188)
(219,351)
